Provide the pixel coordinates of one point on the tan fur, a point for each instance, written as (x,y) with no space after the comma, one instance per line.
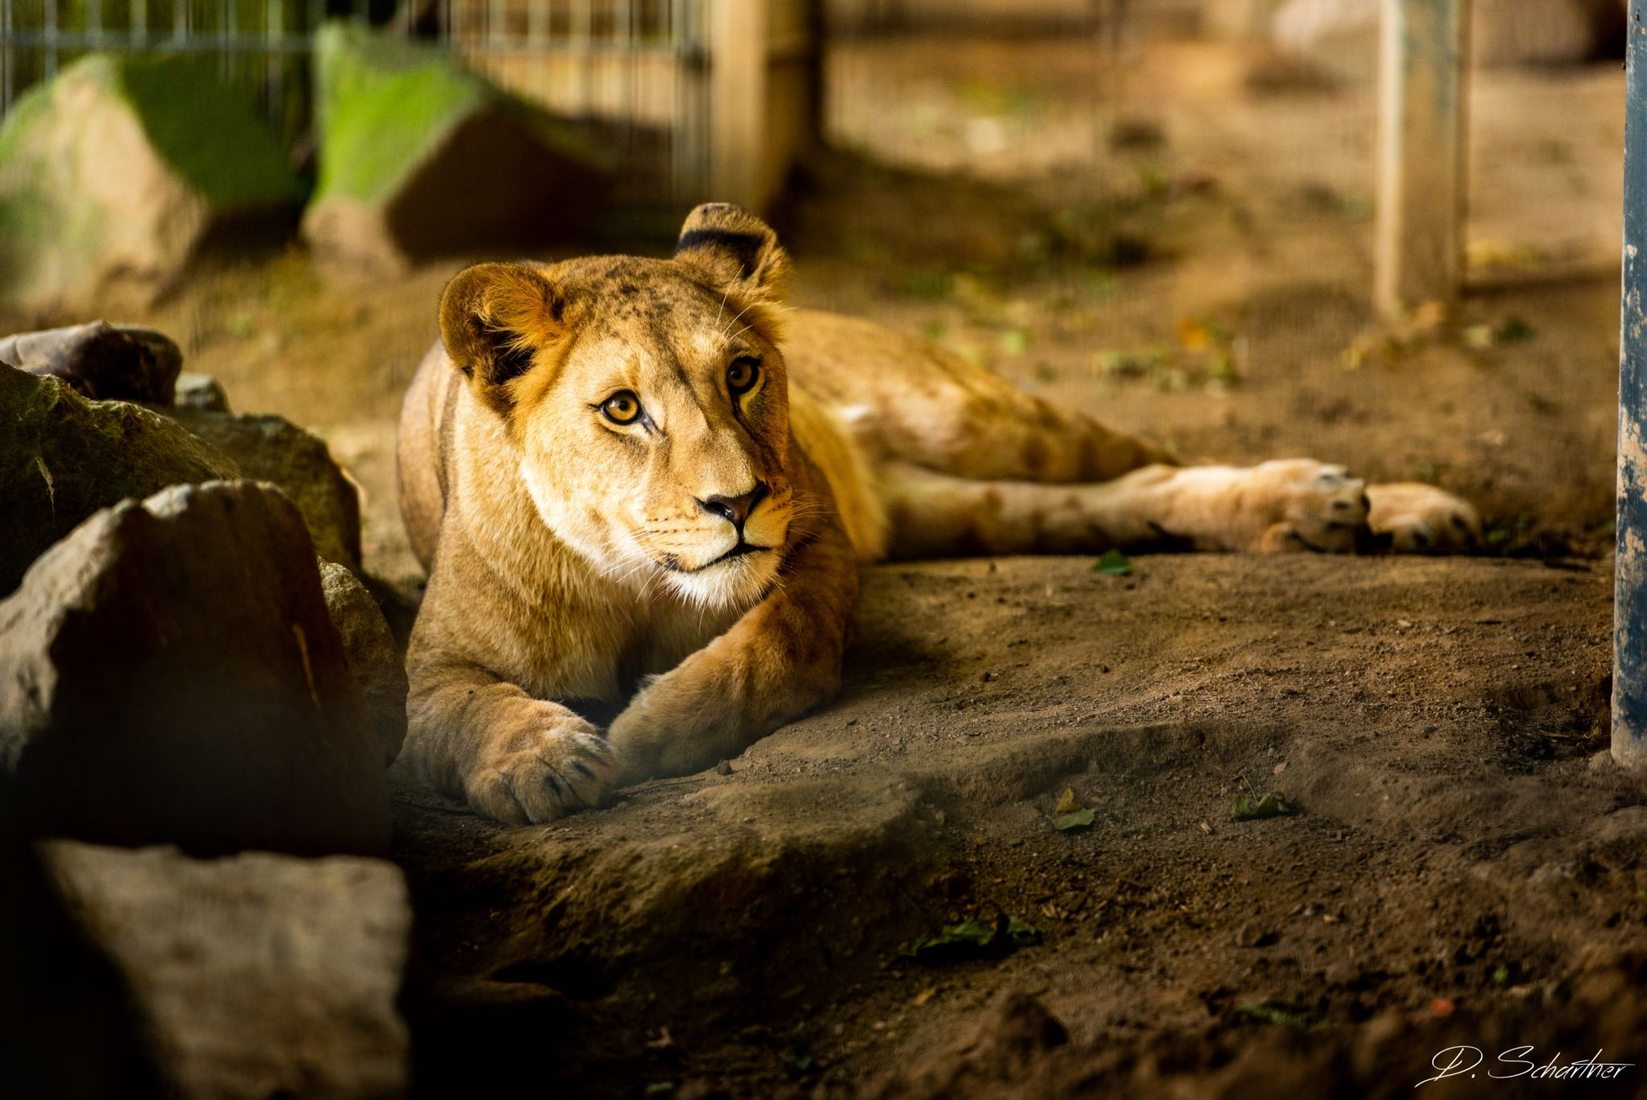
(576,563)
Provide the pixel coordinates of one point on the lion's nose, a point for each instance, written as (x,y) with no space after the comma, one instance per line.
(735,509)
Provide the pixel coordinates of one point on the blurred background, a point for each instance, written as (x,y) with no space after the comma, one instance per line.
(1160,210)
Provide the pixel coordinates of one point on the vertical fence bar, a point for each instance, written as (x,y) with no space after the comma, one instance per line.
(580,38)
(737,100)
(1630,569)
(1419,254)
(8,61)
(225,32)
(51,38)
(274,40)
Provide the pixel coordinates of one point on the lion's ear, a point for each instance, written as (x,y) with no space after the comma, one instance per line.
(496,320)
(737,250)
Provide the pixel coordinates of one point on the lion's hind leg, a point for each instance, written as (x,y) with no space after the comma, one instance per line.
(1293,504)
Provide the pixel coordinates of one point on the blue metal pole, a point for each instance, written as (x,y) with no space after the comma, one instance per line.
(1630,576)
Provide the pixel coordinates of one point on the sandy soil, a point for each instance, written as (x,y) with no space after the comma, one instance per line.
(1177,237)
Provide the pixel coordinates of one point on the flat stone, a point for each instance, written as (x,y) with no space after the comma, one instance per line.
(68,1026)
(259,975)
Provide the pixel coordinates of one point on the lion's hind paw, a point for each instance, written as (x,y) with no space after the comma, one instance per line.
(1412,518)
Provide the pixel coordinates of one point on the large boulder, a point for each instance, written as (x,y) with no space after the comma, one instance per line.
(258,976)
(421,158)
(114,173)
(271,448)
(373,656)
(63,457)
(169,674)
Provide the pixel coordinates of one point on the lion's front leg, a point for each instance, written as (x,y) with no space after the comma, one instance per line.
(780,660)
(513,758)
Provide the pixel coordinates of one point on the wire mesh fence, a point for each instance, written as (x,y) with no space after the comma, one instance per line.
(632,72)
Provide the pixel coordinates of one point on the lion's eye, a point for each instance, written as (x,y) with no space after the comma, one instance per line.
(622,407)
(742,375)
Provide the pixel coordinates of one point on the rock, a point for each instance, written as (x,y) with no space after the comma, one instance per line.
(260,975)
(373,657)
(200,391)
(472,167)
(63,457)
(114,174)
(272,448)
(101,361)
(68,1027)
(168,674)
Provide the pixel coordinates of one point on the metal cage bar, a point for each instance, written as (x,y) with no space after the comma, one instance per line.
(1629,740)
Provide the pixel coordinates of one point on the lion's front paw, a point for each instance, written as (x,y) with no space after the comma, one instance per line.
(1421,519)
(1310,506)
(546,766)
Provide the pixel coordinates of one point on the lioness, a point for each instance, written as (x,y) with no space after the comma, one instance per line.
(646,474)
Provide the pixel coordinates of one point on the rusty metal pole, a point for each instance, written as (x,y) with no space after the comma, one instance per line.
(1630,570)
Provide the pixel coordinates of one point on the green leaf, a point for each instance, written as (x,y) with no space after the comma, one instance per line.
(1270,805)
(1113,564)
(798,1060)
(1276,1012)
(1077,819)
(973,939)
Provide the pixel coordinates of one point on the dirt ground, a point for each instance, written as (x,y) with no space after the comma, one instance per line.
(1177,237)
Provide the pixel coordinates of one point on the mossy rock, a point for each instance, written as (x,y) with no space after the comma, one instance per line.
(420,157)
(114,173)
(63,457)
(273,449)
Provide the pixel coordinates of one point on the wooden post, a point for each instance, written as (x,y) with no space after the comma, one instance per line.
(737,100)
(1419,253)
(1630,568)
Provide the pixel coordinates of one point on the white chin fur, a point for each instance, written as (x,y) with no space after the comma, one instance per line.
(736,583)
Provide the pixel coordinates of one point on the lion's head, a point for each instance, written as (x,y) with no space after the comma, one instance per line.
(649,401)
